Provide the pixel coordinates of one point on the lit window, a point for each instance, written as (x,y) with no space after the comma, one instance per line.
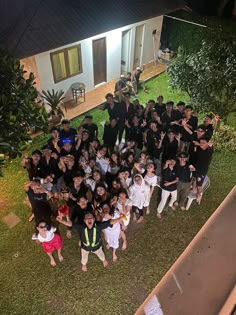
(66,63)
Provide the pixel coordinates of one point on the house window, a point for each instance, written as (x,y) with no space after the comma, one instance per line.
(66,63)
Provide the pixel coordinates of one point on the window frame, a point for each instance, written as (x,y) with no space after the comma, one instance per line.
(66,57)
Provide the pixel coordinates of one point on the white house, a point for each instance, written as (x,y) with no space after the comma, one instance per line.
(92,42)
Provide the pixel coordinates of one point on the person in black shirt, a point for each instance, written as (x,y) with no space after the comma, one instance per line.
(188,126)
(153,137)
(170,117)
(111,106)
(203,159)
(160,107)
(184,174)
(54,141)
(33,165)
(90,233)
(67,133)
(195,142)
(90,126)
(169,145)
(136,132)
(110,134)
(209,126)
(168,185)
(181,107)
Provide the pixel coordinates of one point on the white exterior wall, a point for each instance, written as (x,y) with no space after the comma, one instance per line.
(113,43)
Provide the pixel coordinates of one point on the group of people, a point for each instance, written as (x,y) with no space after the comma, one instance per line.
(94,187)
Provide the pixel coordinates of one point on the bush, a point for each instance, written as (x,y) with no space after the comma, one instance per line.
(224,138)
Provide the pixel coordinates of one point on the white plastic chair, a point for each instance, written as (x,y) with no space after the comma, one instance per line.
(193,194)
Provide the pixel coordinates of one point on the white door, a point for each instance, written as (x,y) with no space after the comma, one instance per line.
(138,47)
(125,52)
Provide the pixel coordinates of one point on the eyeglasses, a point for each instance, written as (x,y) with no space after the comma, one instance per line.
(43,227)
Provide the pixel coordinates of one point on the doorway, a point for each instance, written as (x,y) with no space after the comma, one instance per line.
(125,51)
(99,61)
(138,47)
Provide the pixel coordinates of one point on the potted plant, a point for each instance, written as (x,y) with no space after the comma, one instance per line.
(54,100)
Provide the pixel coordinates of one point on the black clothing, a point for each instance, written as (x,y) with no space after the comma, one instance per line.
(40,206)
(80,192)
(126,111)
(50,168)
(110,135)
(68,176)
(183,173)
(209,132)
(193,122)
(135,133)
(97,228)
(160,109)
(77,216)
(113,112)
(203,160)
(33,171)
(153,139)
(169,148)
(168,176)
(67,135)
(166,120)
(92,129)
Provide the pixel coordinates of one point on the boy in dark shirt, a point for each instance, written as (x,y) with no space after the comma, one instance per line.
(90,126)
(67,133)
(203,159)
(110,134)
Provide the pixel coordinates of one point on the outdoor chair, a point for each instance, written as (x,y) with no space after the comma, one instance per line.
(193,194)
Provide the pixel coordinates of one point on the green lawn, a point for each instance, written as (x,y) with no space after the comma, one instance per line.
(30,286)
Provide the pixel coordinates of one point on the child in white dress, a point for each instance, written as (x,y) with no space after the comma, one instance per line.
(151,180)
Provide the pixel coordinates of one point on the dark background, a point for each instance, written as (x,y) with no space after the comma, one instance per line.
(210,7)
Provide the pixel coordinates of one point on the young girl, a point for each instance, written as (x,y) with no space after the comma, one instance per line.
(50,241)
(124,206)
(151,180)
(140,197)
(112,234)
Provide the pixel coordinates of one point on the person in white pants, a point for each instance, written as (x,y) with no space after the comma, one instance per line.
(168,186)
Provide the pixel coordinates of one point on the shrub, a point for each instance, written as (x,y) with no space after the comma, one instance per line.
(224,138)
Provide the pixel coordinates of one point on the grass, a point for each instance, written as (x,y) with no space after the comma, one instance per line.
(30,286)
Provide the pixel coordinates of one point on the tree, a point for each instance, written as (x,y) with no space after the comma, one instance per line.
(208,75)
(19,109)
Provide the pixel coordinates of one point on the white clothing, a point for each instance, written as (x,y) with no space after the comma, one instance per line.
(126,183)
(49,235)
(140,194)
(128,203)
(112,234)
(164,196)
(151,181)
(103,166)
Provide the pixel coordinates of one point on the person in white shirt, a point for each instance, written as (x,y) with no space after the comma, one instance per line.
(139,194)
(124,206)
(151,180)
(50,241)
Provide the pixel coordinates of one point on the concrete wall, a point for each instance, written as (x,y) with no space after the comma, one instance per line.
(113,41)
(202,280)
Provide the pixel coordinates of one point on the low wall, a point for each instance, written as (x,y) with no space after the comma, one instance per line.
(203,277)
